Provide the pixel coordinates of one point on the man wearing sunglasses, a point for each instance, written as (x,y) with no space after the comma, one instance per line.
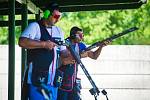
(70,89)
(42,55)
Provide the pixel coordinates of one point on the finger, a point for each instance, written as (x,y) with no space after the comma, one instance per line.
(104,44)
(55,44)
(52,44)
(73,61)
(109,41)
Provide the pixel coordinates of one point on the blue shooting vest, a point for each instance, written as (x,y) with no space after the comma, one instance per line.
(41,59)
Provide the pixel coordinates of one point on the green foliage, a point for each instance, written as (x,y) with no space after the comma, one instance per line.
(3,35)
(98,25)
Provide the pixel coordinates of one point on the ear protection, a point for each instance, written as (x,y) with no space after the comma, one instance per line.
(49,11)
(46,14)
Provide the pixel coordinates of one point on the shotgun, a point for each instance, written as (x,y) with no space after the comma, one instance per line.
(94,90)
(100,43)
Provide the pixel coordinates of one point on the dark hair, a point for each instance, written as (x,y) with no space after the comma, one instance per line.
(52,6)
(74,30)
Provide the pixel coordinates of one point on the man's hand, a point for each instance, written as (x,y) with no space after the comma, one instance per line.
(67,58)
(84,54)
(107,42)
(49,44)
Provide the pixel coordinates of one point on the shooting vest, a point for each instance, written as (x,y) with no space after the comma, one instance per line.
(70,74)
(41,59)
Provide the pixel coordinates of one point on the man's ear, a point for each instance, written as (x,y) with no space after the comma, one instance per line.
(46,14)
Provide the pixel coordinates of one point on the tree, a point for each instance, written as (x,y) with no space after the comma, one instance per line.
(98,25)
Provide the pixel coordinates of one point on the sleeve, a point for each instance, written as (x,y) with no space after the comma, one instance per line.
(31,30)
(82,46)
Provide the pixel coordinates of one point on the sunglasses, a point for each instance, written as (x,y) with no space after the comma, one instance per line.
(56,14)
(81,35)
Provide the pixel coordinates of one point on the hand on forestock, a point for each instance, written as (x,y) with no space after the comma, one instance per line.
(105,43)
(49,44)
(70,59)
(67,58)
